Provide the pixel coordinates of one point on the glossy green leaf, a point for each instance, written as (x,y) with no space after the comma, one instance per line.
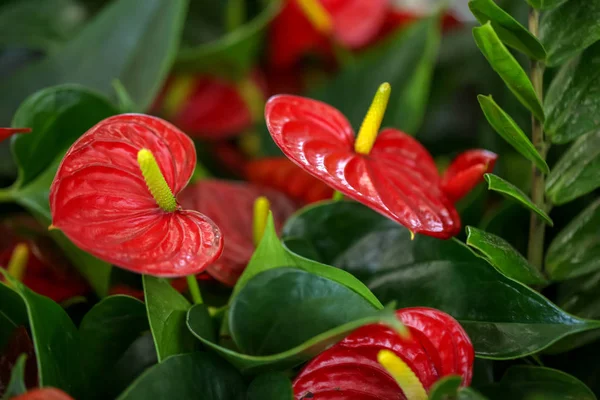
(510,191)
(16,384)
(55,339)
(510,131)
(569,29)
(575,251)
(509,69)
(504,257)
(188,376)
(106,332)
(445,388)
(509,30)
(577,172)
(271,254)
(272,385)
(526,382)
(57,116)
(42,25)
(208,48)
(572,103)
(12,313)
(545,4)
(249,364)
(504,318)
(141,62)
(406,61)
(469,394)
(167,311)
(301,304)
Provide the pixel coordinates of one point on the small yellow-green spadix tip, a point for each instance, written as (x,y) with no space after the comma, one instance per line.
(18,262)
(407,380)
(259,221)
(317,15)
(372,122)
(155,181)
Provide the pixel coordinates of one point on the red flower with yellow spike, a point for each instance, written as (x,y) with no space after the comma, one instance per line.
(374,362)
(389,171)
(114,196)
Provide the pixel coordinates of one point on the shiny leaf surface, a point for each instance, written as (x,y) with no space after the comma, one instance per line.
(273,385)
(509,69)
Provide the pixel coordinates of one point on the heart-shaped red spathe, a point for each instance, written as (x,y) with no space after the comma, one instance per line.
(466,171)
(5,133)
(437,347)
(230,205)
(398,178)
(100,200)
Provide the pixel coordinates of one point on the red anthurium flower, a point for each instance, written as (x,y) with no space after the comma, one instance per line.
(390,172)
(359,366)
(44,394)
(5,133)
(310,25)
(466,171)
(285,176)
(114,197)
(210,107)
(230,205)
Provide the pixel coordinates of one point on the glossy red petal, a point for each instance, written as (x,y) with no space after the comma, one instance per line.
(398,178)
(438,347)
(356,22)
(466,171)
(230,205)
(44,394)
(5,133)
(285,176)
(99,199)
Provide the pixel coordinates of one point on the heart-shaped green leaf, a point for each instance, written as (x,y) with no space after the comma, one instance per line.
(141,62)
(572,103)
(569,29)
(509,30)
(510,131)
(509,69)
(272,385)
(577,172)
(504,257)
(106,332)
(167,309)
(435,273)
(527,382)
(301,304)
(55,338)
(188,376)
(575,251)
(510,191)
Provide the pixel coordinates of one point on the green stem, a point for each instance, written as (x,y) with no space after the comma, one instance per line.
(537,226)
(6,195)
(194,289)
(235,15)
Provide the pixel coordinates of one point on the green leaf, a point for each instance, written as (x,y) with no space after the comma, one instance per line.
(57,116)
(249,364)
(188,376)
(141,62)
(272,385)
(509,30)
(107,331)
(504,318)
(575,251)
(577,172)
(545,4)
(167,311)
(12,313)
(510,131)
(55,339)
(211,50)
(42,25)
(468,393)
(504,257)
(16,384)
(301,304)
(569,29)
(271,254)
(572,103)
(445,388)
(510,191)
(508,68)
(526,382)
(406,61)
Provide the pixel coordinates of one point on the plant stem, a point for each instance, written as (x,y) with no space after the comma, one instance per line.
(6,195)
(194,289)
(537,227)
